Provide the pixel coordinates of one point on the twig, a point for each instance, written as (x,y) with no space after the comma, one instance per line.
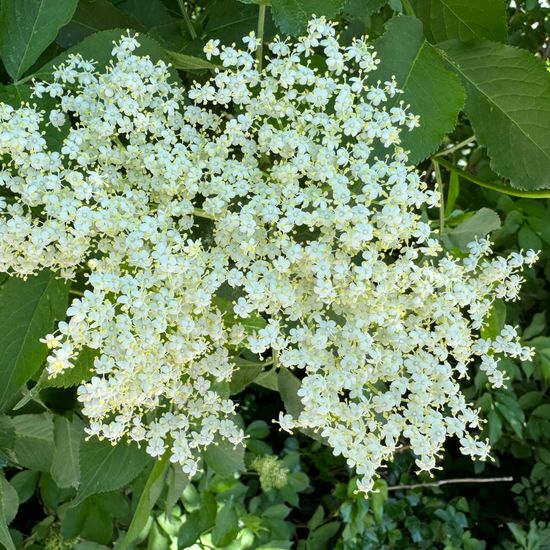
(187,19)
(455,147)
(441,197)
(450,481)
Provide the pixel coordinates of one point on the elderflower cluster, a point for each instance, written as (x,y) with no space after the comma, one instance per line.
(284,188)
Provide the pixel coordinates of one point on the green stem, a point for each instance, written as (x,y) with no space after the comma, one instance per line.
(542,194)
(200,213)
(439,181)
(187,19)
(408,8)
(455,147)
(260,36)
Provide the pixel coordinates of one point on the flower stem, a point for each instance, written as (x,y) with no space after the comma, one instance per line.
(455,147)
(408,8)
(187,19)
(261,28)
(439,181)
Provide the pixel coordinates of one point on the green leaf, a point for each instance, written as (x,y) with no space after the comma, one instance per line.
(433,92)
(509,107)
(292,16)
(245,373)
(462,19)
(7,436)
(65,469)
(92,16)
(10,500)
(361,9)
(105,467)
(288,385)
(27,27)
(224,458)
(81,372)
(542,411)
(480,224)
(229,20)
(149,496)
(29,309)
(188,62)
(25,484)
(34,441)
(5,537)
(493,323)
(452,192)
(227,525)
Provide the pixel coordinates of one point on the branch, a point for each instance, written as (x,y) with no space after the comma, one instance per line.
(449,481)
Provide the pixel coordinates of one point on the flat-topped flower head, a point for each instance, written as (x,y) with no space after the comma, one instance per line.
(309,214)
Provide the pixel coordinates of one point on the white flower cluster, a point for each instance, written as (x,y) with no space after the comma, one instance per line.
(268,185)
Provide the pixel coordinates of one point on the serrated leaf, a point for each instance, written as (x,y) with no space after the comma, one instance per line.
(10,499)
(93,16)
(433,92)
(188,62)
(462,19)
(29,309)
(292,16)
(7,435)
(479,225)
(509,107)
(229,20)
(65,469)
(150,14)
(227,525)
(5,537)
(361,9)
(81,372)
(224,458)
(105,467)
(34,441)
(27,27)
(149,496)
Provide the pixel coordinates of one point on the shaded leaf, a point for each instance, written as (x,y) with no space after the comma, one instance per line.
(224,458)
(462,19)
(34,441)
(479,225)
(65,469)
(149,496)
(433,92)
(509,107)
(292,16)
(105,467)
(27,27)
(92,16)
(81,372)
(5,537)
(29,310)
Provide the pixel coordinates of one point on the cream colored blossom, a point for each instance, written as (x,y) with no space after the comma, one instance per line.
(311,212)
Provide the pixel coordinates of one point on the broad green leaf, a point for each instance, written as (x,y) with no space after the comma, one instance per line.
(34,441)
(105,467)
(7,436)
(188,62)
(5,537)
(149,496)
(542,411)
(433,92)
(65,469)
(29,309)
(361,9)
(479,225)
(258,2)
(288,385)
(292,16)
(24,483)
(229,20)
(177,481)
(509,107)
(452,192)
(27,27)
(244,374)
(81,372)
(227,525)
(93,16)
(150,14)
(493,323)
(462,19)
(98,47)
(224,458)
(10,499)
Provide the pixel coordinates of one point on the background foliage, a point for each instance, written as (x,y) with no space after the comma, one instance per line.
(475,73)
